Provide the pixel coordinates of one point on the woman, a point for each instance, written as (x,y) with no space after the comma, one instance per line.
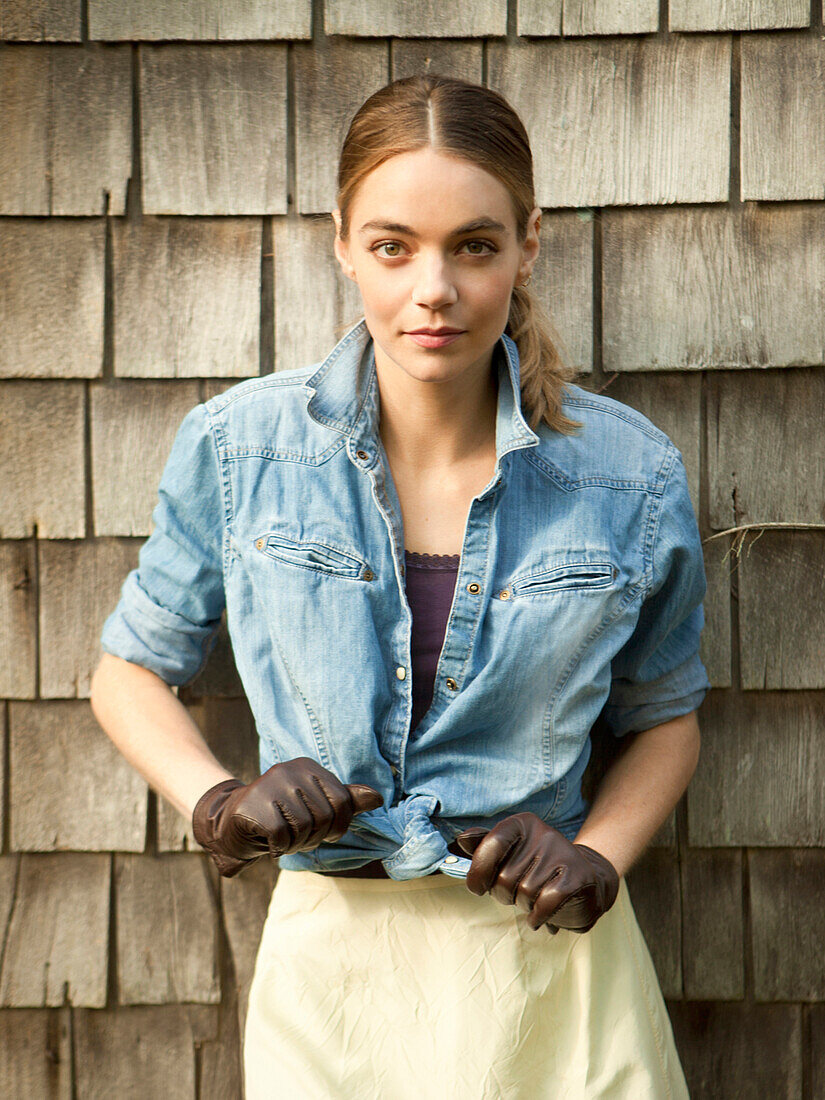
(431,599)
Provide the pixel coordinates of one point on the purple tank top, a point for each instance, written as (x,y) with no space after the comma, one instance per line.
(430,583)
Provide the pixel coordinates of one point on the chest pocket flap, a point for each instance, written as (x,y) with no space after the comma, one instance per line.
(594,570)
(308,554)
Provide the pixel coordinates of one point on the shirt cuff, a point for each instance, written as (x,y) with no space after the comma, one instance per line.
(147,634)
(634,707)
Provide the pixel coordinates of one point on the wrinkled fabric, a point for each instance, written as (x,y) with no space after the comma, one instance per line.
(408,843)
(579,591)
(367,988)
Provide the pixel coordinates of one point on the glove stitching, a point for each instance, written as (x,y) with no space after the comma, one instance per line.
(291,823)
(305,799)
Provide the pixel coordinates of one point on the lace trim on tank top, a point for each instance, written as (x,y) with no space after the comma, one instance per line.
(444,562)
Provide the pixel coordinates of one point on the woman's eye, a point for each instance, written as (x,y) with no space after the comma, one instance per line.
(387,244)
(483,244)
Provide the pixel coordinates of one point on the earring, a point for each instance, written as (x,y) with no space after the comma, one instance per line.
(526,281)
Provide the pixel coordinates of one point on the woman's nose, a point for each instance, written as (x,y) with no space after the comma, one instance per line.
(434,286)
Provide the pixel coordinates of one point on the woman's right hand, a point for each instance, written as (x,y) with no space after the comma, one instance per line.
(292,807)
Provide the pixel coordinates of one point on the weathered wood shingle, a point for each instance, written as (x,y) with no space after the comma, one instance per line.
(220,1060)
(816,1017)
(57,937)
(761,773)
(562,283)
(24,108)
(4,737)
(461,59)
(9,873)
(740,1051)
(761,429)
(704,288)
(618,122)
(70,788)
(610,17)
(187,297)
(135,1052)
(40,21)
(194,160)
(35,1053)
(208,19)
(712,932)
(42,456)
(587,17)
(51,298)
(70,111)
(133,426)
(167,930)
(330,85)
(738,15)
(80,584)
(653,884)
(782,610)
(413,18)
(782,110)
(539,17)
(788,922)
(312,295)
(715,643)
(18,620)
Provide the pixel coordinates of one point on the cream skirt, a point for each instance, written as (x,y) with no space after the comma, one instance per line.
(420,990)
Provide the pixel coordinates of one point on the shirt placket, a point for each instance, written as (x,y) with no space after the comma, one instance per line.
(465,610)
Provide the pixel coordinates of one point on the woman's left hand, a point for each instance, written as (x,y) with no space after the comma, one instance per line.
(523,861)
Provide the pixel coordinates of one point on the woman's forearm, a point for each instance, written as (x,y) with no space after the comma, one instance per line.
(153,730)
(640,790)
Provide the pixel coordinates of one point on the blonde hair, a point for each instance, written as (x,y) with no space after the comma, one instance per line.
(478,124)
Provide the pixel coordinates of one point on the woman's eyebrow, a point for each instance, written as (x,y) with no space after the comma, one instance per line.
(469,227)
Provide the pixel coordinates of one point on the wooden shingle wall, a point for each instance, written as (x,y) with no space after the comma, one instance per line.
(166,176)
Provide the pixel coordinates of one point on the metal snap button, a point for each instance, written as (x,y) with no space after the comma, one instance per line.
(368,575)
(259,543)
(474,587)
(451,684)
(504,594)
(393,769)
(362,455)
(451,859)
(401,672)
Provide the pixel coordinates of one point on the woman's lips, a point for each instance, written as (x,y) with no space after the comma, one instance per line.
(427,340)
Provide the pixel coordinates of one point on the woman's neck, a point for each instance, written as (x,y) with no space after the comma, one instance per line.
(436,425)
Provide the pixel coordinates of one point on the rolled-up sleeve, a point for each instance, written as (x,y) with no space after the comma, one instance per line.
(170,606)
(658,674)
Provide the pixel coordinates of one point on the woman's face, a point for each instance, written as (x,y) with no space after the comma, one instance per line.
(432,245)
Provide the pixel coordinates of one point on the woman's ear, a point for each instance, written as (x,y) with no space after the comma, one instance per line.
(340,248)
(531,246)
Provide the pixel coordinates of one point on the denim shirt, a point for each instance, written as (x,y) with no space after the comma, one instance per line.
(579,591)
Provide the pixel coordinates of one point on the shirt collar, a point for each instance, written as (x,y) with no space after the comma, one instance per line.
(343,391)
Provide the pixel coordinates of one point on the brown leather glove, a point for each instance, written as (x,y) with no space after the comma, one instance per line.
(523,861)
(293,807)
